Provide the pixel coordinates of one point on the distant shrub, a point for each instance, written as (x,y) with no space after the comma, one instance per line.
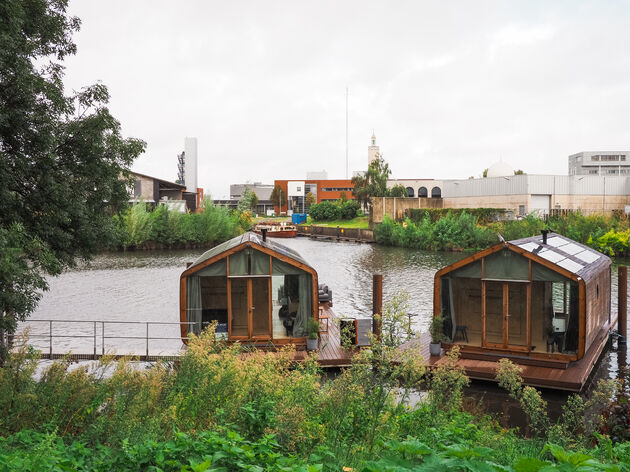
(350,209)
(325,211)
(483,215)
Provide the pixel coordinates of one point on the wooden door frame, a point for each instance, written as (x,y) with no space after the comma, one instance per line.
(505,293)
(250,312)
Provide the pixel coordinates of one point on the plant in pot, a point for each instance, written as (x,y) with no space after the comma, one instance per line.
(436,330)
(312,333)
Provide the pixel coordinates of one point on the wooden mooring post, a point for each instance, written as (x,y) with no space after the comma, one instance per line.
(622,304)
(377,305)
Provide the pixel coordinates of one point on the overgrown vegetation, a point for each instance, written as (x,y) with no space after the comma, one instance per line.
(63,158)
(339,210)
(221,410)
(142,228)
(458,230)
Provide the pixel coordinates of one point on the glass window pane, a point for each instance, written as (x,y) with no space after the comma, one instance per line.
(239,307)
(260,295)
(494,312)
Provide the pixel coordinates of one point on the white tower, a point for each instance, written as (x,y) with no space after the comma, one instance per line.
(373,150)
(190,172)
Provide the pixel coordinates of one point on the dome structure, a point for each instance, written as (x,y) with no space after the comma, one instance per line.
(500,169)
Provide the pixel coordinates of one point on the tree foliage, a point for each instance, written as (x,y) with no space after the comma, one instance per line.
(248,200)
(61,157)
(278,196)
(398,191)
(371,184)
(310,199)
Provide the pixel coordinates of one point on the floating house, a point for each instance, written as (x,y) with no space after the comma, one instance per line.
(258,291)
(542,301)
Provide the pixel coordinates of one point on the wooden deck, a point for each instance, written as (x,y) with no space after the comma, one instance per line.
(330,352)
(572,378)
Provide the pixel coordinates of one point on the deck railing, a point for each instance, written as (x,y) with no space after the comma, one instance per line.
(103,334)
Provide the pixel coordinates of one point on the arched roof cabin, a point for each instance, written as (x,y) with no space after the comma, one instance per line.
(255,289)
(544,299)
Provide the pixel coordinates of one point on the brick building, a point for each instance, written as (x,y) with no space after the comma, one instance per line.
(323,190)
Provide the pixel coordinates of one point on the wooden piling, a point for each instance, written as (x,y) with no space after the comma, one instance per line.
(622,303)
(377,304)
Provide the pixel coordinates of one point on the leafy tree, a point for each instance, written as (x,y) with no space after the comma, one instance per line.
(343,197)
(310,199)
(278,196)
(371,184)
(398,191)
(485,173)
(61,158)
(248,200)
(519,172)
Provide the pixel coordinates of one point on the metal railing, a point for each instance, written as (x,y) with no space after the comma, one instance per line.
(103,336)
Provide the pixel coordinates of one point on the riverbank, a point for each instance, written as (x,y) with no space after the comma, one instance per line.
(462,231)
(217,408)
(140,229)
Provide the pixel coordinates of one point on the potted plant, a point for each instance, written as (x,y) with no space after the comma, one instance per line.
(312,333)
(436,330)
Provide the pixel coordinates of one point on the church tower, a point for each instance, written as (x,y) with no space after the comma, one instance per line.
(373,151)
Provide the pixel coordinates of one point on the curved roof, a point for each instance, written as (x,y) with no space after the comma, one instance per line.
(253,239)
(577,258)
(561,254)
(500,169)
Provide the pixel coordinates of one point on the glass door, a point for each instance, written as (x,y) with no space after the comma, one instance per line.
(506,323)
(517,315)
(249,307)
(494,314)
(239,308)
(260,307)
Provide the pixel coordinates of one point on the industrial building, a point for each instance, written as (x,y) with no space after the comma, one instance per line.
(518,194)
(603,163)
(154,191)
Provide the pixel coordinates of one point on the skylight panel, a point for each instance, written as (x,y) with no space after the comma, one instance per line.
(557,241)
(571,266)
(587,256)
(529,246)
(571,248)
(551,256)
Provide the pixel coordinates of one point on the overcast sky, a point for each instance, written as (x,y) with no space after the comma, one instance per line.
(448,87)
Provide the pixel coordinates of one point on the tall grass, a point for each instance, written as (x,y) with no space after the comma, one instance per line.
(222,408)
(139,227)
(457,231)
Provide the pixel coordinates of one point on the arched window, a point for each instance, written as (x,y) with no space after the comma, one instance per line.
(422,192)
(410,192)
(436,192)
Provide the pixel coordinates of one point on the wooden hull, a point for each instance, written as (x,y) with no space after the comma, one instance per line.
(287,233)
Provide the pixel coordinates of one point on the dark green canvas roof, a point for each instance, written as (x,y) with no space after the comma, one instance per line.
(256,240)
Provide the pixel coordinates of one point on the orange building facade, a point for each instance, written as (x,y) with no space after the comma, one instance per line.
(323,190)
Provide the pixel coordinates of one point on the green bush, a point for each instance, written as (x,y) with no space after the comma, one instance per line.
(140,226)
(456,230)
(350,209)
(218,409)
(325,211)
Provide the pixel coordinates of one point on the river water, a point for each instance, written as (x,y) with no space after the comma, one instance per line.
(144,287)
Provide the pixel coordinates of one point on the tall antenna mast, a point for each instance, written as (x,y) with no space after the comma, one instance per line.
(346,133)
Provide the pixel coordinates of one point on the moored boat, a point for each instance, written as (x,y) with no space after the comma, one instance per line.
(276,230)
